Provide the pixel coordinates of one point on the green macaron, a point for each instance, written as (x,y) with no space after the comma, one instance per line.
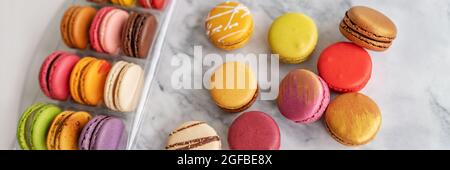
(33,126)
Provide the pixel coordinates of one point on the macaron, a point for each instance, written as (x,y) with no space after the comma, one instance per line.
(234,87)
(353,119)
(125,3)
(368,28)
(194,135)
(55,73)
(303,96)
(293,36)
(254,131)
(87,80)
(229,25)
(75,26)
(103,133)
(34,124)
(123,86)
(345,67)
(106,30)
(138,34)
(65,130)
(155,4)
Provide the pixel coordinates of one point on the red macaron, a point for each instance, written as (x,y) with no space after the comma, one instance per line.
(345,67)
(254,131)
(55,74)
(156,4)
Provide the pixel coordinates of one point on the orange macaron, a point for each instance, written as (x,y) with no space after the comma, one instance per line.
(87,80)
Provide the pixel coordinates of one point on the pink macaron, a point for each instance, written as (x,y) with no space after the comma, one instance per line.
(55,74)
(303,96)
(106,30)
(254,131)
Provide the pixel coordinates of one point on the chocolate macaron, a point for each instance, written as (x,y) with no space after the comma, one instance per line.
(368,28)
(138,34)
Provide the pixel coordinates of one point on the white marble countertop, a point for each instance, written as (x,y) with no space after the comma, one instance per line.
(410,81)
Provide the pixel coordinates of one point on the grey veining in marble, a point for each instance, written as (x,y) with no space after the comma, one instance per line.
(410,83)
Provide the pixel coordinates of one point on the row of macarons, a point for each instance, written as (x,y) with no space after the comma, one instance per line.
(89,81)
(154,4)
(294,36)
(351,119)
(48,127)
(109,30)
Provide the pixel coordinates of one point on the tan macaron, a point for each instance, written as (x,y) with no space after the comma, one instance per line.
(368,28)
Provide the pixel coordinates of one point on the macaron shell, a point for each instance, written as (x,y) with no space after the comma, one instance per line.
(59,77)
(109,135)
(76,76)
(93,82)
(145,36)
(22,128)
(376,24)
(129,87)
(126,3)
(88,132)
(233,86)
(41,123)
(110,84)
(69,132)
(58,121)
(45,71)
(158,4)
(94,31)
(241,44)
(353,119)
(65,25)
(345,67)
(294,37)
(254,131)
(228,24)
(145,3)
(79,26)
(111,30)
(194,135)
(301,96)
(363,41)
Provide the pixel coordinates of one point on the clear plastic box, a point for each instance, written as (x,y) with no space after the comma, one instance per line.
(52,41)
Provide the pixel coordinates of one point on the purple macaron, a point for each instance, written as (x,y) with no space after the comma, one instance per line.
(103,133)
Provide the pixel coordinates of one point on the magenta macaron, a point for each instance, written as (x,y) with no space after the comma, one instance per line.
(303,96)
(55,73)
(106,30)
(254,131)
(103,133)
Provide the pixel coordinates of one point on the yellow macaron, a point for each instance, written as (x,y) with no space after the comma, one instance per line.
(126,3)
(234,87)
(294,37)
(229,25)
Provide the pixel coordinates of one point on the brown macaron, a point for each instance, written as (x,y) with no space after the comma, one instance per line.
(138,34)
(368,28)
(75,26)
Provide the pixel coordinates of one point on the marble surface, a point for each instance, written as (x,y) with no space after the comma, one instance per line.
(410,81)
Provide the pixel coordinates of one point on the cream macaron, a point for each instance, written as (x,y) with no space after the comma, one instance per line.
(123,86)
(194,135)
